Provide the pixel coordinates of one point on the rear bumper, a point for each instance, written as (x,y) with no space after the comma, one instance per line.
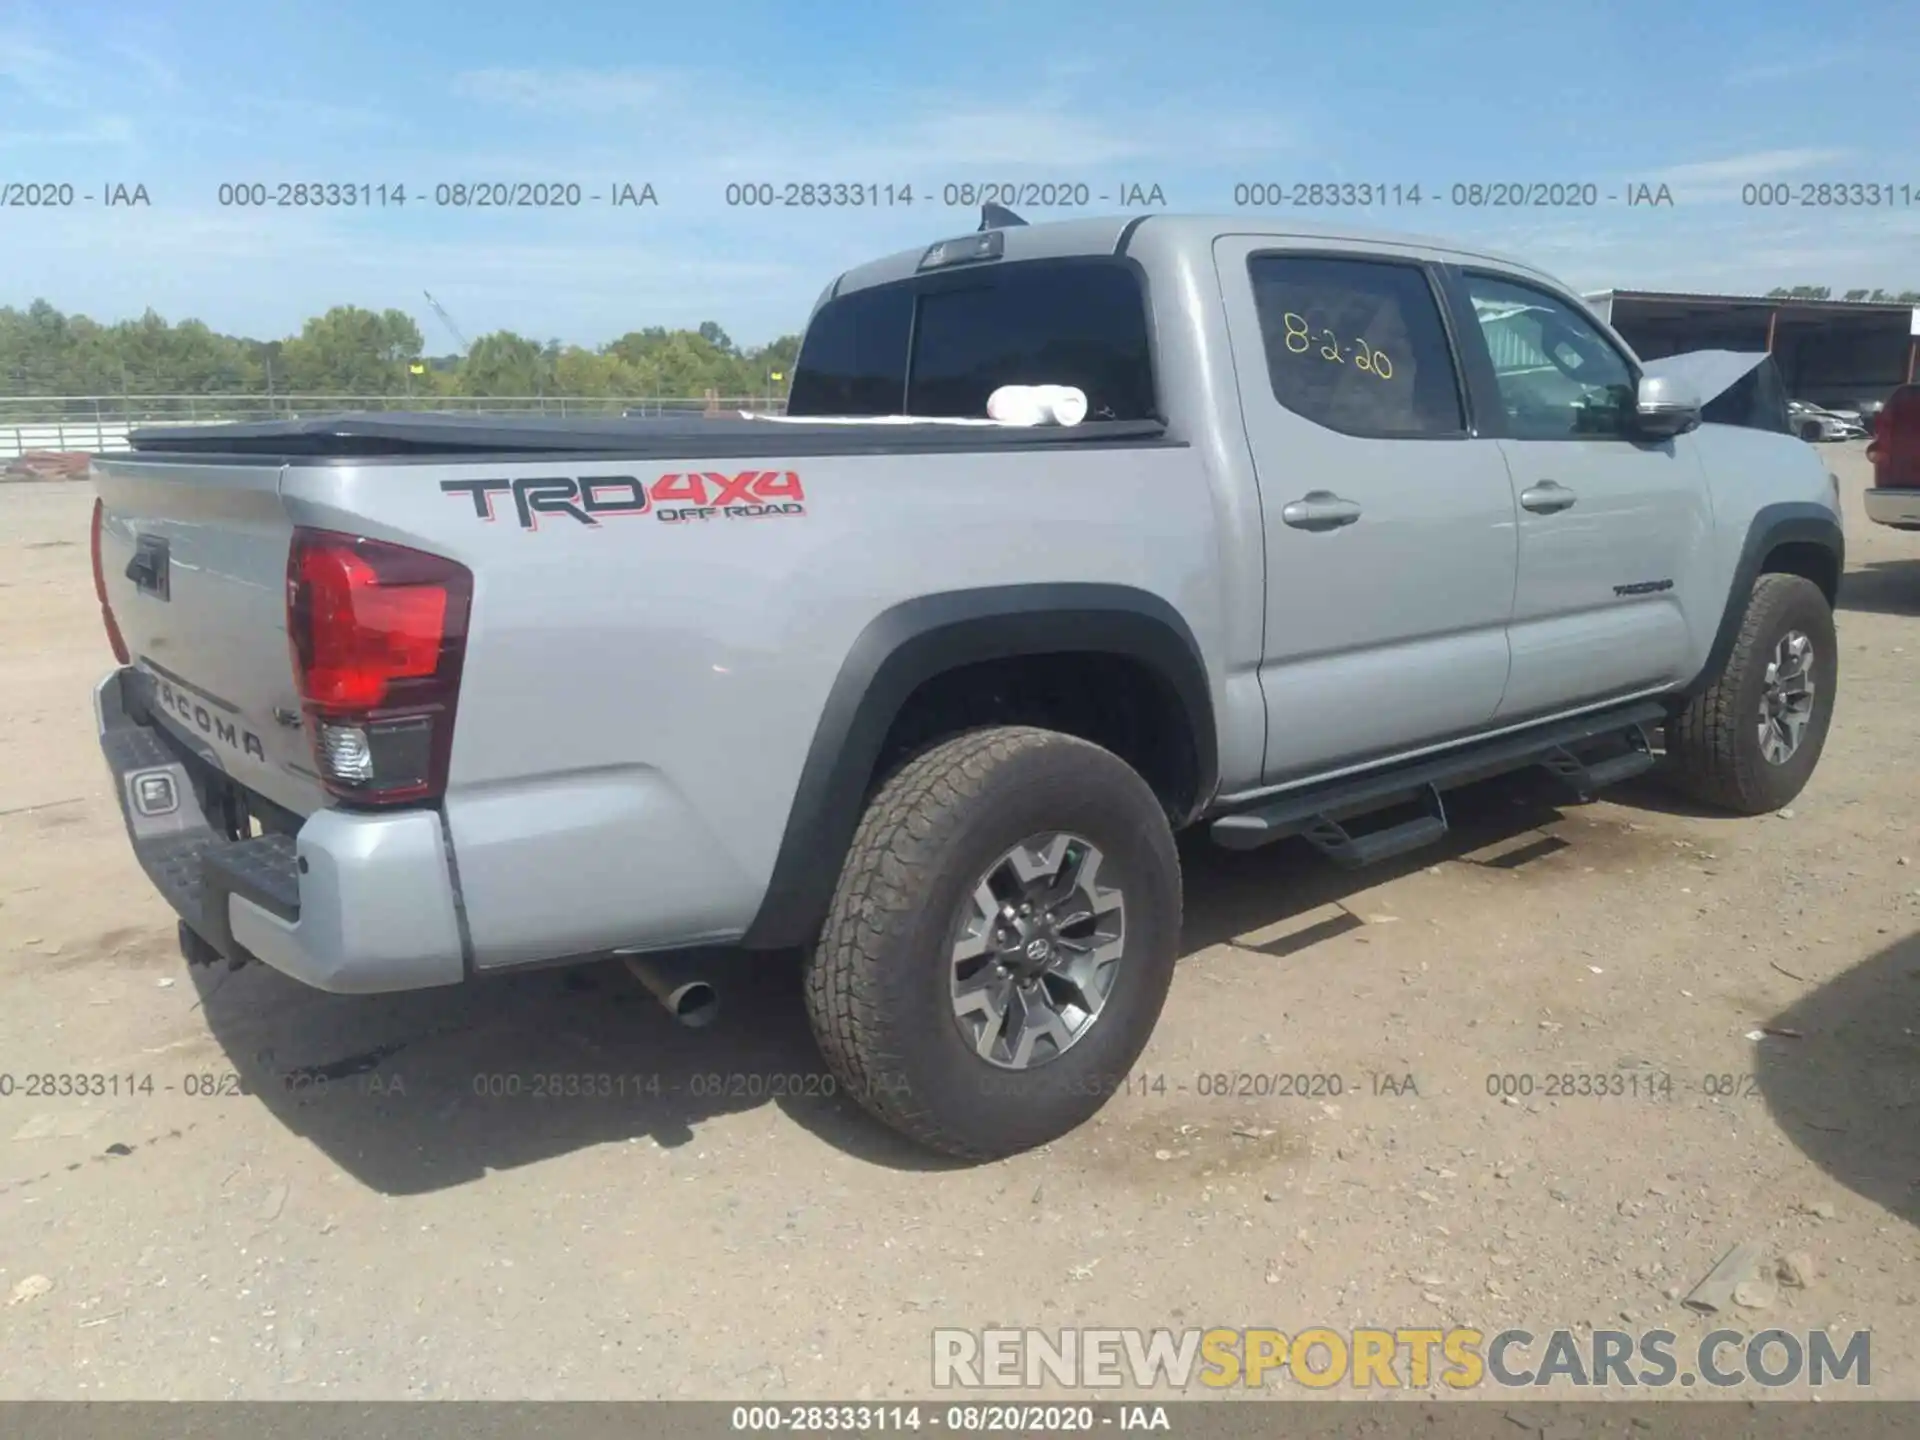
(355,903)
(1898,508)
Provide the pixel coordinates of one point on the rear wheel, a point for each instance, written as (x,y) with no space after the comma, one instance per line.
(1001,941)
(1750,740)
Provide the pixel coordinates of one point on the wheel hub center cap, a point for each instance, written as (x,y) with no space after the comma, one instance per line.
(1036,950)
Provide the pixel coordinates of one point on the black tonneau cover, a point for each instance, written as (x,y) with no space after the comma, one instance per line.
(370,434)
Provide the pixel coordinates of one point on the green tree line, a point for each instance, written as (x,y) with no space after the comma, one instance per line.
(351,351)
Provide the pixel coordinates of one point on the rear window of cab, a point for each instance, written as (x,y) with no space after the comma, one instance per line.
(940,345)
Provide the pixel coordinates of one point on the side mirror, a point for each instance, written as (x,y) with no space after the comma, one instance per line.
(1665,407)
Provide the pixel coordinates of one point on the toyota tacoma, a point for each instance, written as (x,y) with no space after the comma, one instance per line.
(1353,519)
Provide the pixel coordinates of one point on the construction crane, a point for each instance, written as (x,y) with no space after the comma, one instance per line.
(447,320)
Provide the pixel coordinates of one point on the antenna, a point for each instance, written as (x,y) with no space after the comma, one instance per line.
(447,320)
(996,217)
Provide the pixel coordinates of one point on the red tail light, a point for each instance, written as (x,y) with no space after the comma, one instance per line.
(114,637)
(1896,442)
(378,634)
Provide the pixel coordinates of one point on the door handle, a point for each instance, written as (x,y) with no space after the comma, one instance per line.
(1319,510)
(1547,498)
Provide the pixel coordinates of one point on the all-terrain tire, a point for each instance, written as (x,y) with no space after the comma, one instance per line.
(878,985)
(1713,743)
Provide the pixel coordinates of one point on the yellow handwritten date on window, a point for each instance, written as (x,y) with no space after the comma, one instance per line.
(1300,341)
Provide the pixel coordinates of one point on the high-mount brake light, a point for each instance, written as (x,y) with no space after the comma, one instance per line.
(114,638)
(967,250)
(378,633)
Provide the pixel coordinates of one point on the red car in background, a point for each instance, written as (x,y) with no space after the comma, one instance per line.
(1895,452)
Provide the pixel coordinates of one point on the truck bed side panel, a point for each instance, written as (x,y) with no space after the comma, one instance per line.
(640,694)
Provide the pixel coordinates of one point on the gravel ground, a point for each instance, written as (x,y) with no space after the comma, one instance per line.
(319,1197)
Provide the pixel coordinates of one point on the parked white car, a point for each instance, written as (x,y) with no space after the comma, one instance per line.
(1814,423)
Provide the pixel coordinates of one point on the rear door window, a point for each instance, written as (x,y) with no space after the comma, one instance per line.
(1357,345)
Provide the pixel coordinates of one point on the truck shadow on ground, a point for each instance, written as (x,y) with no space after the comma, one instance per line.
(420,1092)
(1884,587)
(1847,1091)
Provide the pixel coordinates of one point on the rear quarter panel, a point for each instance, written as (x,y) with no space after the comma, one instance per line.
(639,695)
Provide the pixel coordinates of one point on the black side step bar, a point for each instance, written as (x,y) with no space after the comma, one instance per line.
(1317,811)
(1350,851)
(1587,776)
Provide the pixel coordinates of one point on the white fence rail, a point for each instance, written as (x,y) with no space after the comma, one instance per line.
(99,423)
(89,437)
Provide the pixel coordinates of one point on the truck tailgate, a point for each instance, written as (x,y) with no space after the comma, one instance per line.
(194,560)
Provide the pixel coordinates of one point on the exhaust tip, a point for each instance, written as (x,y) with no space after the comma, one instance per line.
(692,1002)
(695,1005)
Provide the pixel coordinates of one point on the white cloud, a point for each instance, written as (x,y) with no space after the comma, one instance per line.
(38,73)
(1734,252)
(53,106)
(883,136)
(1793,67)
(1711,181)
(160,74)
(1756,165)
(101,130)
(564,91)
(941,139)
(321,114)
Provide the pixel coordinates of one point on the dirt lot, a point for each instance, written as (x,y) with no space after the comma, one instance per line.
(365,1221)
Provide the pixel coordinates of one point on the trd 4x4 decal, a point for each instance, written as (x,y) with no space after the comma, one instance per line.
(673,499)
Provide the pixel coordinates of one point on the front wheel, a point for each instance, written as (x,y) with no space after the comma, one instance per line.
(1001,941)
(1749,741)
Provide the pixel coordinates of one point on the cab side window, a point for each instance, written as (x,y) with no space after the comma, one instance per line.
(1357,345)
(1558,377)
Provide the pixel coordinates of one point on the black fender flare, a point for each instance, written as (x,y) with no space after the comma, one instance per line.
(918,639)
(1785,522)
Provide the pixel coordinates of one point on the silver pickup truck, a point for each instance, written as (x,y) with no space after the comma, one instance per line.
(407,700)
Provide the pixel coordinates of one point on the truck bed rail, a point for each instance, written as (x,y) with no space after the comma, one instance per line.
(417,434)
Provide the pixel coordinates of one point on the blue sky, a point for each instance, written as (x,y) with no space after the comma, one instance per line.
(183,95)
